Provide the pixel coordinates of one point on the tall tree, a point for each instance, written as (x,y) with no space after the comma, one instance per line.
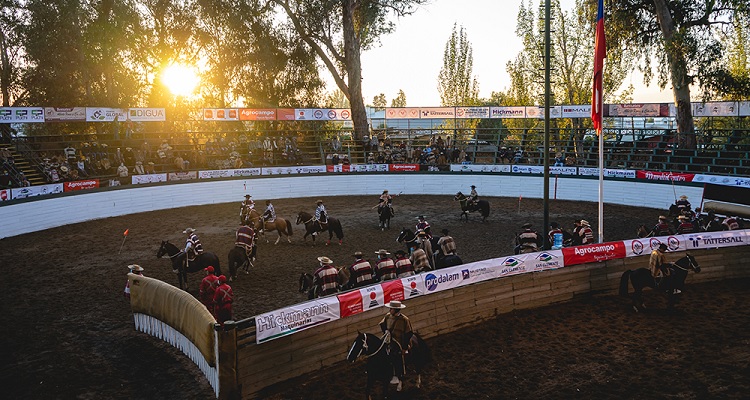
(456,84)
(732,81)
(379,102)
(680,36)
(338,31)
(399,100)
(12,19)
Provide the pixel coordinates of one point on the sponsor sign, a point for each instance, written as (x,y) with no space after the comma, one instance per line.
(551,259)
(298,169)
(322,114)
(512,265)
(538,112)
(246,172)
(285,114)
(257,114)
(402,113)
(437,112)
(337,168)
(716,109)
(443,279)
(5,194)
(81,185)
(182,176)
(593,253)
(581,111)
(562,170)
(137,179)
(403,167)
(221,114)
(673,243)
(104,114)
(722,180)
(296,318)
(610,173)
(636,110)
(527,169)
(64,114)
(13,115)
(216,173)
(147,114)
(40,190)
(472,112)
(712,240)
(368,168)
(508,112)
(744,108)
(479,271)
(664,176)
(392,290)
(480,168)
(413,286)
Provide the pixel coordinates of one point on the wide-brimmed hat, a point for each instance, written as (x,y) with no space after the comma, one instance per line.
(663,217)
(383,252)
(247,196)
(64,168)
(319,202)
(420,217)
(135,268)
(188,230)
(395,304)
(526,225)
(325,260)
(358,254)
(209,269)
(683,197)
(385,191)
(584,222)
(473,187)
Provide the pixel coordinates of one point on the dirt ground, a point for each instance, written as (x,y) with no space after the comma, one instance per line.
(68,331)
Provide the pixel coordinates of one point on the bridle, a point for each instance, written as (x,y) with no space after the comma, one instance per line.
(365,347)
(691,266)
(299,218)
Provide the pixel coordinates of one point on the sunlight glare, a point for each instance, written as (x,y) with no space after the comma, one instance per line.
(180,79)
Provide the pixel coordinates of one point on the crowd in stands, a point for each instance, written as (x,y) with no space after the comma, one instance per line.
(10,176)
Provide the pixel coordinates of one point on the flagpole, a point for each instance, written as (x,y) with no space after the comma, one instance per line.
(597,105)
(601,187)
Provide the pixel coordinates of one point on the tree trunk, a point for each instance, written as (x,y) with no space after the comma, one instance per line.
(354,69)
(5,70)
(678,73)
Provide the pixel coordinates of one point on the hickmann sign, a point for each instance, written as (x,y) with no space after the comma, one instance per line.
(593,253)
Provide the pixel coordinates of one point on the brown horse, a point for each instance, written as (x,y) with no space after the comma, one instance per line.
(280,225)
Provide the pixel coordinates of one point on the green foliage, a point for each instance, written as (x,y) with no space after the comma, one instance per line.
(400,100)
(456,84)
(379,102)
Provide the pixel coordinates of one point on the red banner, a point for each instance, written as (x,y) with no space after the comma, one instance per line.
(403,167)
(80,185)
(285,114)
(393,290)
(664,176)
(593,253)
(350,303)
(258,114)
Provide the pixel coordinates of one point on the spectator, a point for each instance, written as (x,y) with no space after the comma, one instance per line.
(139,170)
(559,160)
(133,269)
(207,289)
(223,298)
(385,268)
(122,171)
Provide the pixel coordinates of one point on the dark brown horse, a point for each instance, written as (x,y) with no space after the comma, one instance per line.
(178,261)
(641,278)
(312,227)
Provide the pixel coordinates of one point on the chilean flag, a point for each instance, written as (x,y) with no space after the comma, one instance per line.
(600,52)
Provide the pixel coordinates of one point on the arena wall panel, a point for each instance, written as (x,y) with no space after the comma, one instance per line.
(39,214)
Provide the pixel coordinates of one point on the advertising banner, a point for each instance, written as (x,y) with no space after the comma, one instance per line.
(744,107)
(508,112)
(479,271)
(402,113)
(472,112)
(480,168)
(538,112)
(137,179)
(716,109)
(221,114)
(664,176)
(562,170)
(610,173)
(722,180)
(443,279)
(358,301)
(182,176)
(413,286)
(105,114)
(5,194)
(296,318)
(580,111)
(636,110)
(13,115)
(147,114)
(246,172)
(64,114)
(512,265)
(257,114)
(593,253)
(527,169)
(712,240)
(392,290)
(297,169)
(640,247)
(80,185)
(322,114)
(437,112)
(544,260)
(215,173)
(403,167)
(285,114)
(368,168)
(40,190)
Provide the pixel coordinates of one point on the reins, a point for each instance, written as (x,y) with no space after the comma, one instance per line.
(382,343)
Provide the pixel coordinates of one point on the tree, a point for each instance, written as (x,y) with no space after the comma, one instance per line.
(456,84)
(338,31)
(732,81)
(681,37)
(400,100)
(379,102)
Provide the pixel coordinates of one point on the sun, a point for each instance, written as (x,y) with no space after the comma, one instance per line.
(180,79)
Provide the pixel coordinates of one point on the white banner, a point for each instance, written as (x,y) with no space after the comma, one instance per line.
(322,114)
(610,173)
(636,110)
(40,190)
(413,286)
(538,112)
(472,112)
(149,178)
(480,168)
(368,168)
(563,170)
(182,176)
(372,297)
(744,108)
(298,317)
(527,169)
(104,114)
(716,109)
(147,114)
(246,172)
(402,113)
(297,169)
(544,260)
(712,240)
(639,247)
(508,112)
(581,111)
(722,180)
(443,279)
(221,114)
(437,112)
(14,115)
(215,173)
(59,114)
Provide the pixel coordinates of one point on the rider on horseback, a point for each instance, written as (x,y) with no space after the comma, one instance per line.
(657,264)
(662,228)
(245,239)
(270,214)
(321,216)
(683,204)
(473,198)
(395,326)
(193,246)
(245,207)
(528,241)
(385,200)
(423,225)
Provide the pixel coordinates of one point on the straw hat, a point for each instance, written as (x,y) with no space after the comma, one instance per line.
(383,252)
(188,230)
(662,217)
(584,222)
(325,260)
(683,197)
(526,225)
(135,268)
(358,254)
(395,304)
(247,196)
(319,202)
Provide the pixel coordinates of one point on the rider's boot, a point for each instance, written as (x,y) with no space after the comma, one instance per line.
(395,380)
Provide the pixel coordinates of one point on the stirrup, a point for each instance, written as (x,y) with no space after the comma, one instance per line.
(395,380)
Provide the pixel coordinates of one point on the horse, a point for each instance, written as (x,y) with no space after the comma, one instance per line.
(178,261)
(311,226)
(238,259)
(450,260)
(483,206)
(409,238)
(280,225)
(379,366)
(642,277)
(306,280)
(384,215)
(642,232)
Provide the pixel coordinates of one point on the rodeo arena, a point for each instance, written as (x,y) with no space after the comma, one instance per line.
(311,244)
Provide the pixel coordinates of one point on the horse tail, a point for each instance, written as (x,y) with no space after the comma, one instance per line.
(336,226)
(485,205)
(215,263)
(624,283)
(289,227)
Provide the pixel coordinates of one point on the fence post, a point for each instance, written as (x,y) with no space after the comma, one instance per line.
(227,361)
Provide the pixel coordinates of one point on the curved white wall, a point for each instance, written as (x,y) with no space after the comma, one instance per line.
(38,215)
